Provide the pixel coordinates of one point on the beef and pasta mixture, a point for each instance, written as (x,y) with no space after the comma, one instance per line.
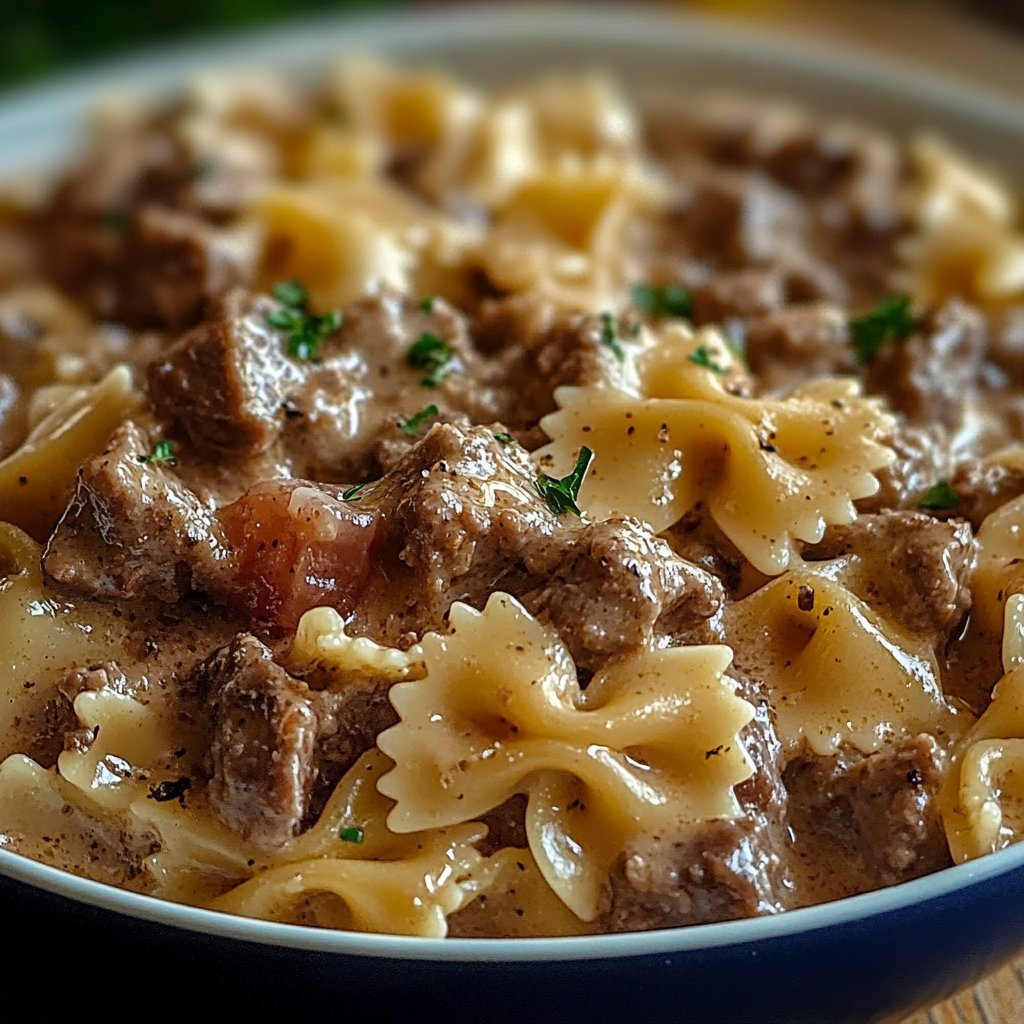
(446,513)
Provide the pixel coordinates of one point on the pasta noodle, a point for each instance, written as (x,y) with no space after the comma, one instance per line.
(482,726)
(683,438)
(839,673)
(985,791)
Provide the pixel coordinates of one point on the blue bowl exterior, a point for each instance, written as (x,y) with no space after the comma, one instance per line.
(870,969)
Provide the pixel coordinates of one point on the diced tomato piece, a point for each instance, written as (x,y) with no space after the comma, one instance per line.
(297,548)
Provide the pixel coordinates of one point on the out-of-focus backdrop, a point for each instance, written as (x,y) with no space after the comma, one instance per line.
(982,40)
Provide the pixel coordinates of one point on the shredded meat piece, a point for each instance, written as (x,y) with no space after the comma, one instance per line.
(983,486)
(882,810)
(790,346)
(918,566)
(930,376)
(131,529)
(922,459)
(537,350)
(261,760)
(610,586)
(224,383)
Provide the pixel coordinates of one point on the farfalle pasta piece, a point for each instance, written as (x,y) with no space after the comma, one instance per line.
(964,240)
(984,793)
(999,572)
(36,479)
(563,233)
(405,885)
(769,471)
(345,237)
(652,743)
(838,673)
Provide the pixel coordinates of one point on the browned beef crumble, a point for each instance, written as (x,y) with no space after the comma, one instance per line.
(880,811)
(917,566)
(131,529)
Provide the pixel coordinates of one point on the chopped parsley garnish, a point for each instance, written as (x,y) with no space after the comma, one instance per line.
(702,357)
(351,834)
(940,496)
(433,354)
(888,322)
(610,335)
(163,451)
(304,331)
(504,438)
(427,303)
(352,493)
(414,424)
(115,221)
(663,300)
(561,494)
(202,168)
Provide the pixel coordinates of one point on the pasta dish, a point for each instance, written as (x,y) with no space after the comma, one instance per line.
(443,513)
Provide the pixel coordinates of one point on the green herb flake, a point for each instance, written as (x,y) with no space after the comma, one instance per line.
(702,357)
(663,300)
(427,304)
(352,493)
(203,168)
(115,221)
(504,438)
(351,834)
(610,336)
(561,494)
(415,424)
(940,496)
(305,332)
(434,355)
(890,321)
(291,293)
(163,451)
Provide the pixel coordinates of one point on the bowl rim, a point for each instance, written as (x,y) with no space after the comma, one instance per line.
(162,67)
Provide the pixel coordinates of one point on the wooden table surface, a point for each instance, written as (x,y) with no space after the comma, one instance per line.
(997,1000)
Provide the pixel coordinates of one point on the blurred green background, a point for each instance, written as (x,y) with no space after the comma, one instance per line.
(38,36)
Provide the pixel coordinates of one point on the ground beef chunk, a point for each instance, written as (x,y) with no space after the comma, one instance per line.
(223,384)
(261,759)
(128,233)
(984,485)
(923,457)
(917,567)
(738,295)
(697,539)
(468,521)
(175,265)
(735,219)
(720,871)
(131,529)
(610,586)
(882,810)
(790,346)
(931,375)
(537,350)
(351,715)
